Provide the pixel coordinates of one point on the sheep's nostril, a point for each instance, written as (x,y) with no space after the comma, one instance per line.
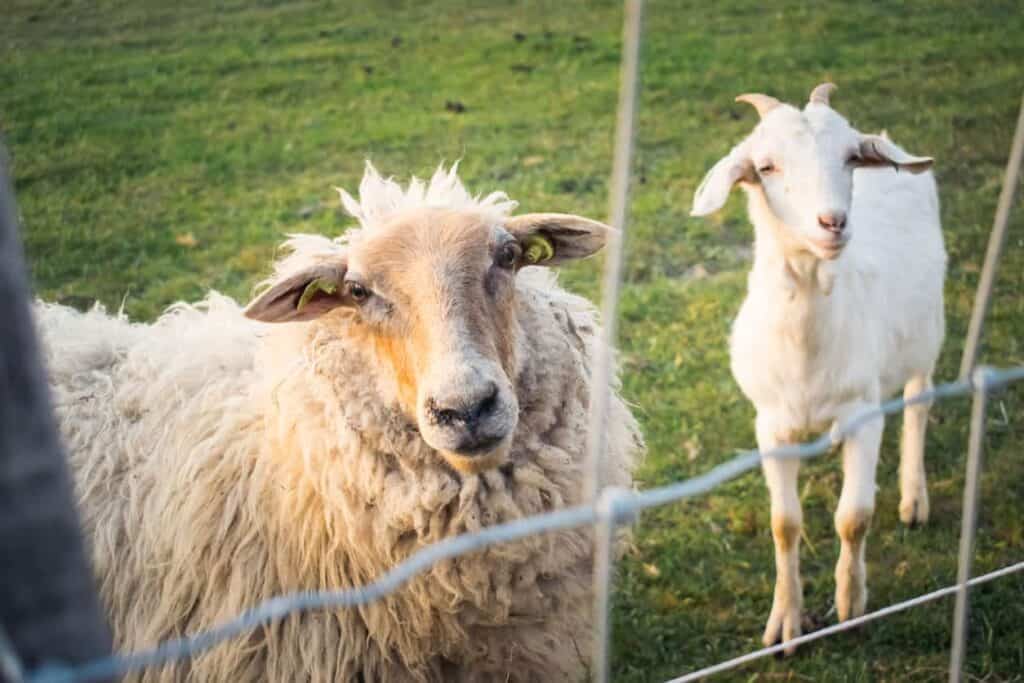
(442,417)
(486,406)
(447,417)
(467,417)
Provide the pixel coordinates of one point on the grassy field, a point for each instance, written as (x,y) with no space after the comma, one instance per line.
(162,149)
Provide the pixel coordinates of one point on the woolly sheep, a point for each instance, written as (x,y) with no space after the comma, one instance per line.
(427,387)
(844,308)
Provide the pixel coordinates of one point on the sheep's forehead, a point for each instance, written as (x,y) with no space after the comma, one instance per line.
(412,245)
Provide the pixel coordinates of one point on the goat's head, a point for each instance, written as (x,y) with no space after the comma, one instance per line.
(803,163)
(430,288)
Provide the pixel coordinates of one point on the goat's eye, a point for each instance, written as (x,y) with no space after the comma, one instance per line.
(358,292)
(854,159)
(508,255)
(766,168)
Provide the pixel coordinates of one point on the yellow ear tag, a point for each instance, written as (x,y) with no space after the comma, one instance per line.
(318,285)
(538,250)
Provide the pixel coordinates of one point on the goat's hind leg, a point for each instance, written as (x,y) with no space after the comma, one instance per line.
(853,517)
(914,506)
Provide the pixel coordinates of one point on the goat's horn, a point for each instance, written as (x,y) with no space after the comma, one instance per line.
(821,94)
(762,103)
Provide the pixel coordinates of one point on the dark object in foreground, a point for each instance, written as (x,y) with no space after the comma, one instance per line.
(48,604)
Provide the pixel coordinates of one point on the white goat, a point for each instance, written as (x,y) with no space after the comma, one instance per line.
(831,324)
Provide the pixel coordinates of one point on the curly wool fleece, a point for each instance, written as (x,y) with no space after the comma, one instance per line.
(220,462)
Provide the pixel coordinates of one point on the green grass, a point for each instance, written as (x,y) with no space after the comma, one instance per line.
(162,149)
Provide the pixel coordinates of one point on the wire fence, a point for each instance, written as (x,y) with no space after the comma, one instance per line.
(609,507)
(613,506)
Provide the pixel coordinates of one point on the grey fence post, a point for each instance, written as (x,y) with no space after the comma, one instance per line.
(969,522)
(10,665)
(996,242)
(622,167)
(48,604)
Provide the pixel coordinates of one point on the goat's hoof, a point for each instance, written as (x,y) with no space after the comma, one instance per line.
(783,625)
(914,511)
(852,606)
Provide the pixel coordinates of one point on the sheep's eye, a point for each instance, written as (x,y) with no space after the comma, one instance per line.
(358,292)
(766,168)
(854,159)
(508,255)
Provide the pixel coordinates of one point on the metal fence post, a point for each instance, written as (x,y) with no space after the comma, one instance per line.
(608,516)
(622,165)
(48,603)
(969,522)
(10,665)
(996,242)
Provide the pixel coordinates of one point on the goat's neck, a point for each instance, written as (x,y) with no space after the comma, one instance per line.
(780,261)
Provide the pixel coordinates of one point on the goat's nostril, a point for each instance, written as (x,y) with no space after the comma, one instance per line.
(833,221)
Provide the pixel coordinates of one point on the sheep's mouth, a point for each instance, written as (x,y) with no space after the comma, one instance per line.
(480,459)
(481,446)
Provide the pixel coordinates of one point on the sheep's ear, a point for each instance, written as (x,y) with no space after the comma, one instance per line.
(718,183)
(305,295)
(878,150)
(552,238)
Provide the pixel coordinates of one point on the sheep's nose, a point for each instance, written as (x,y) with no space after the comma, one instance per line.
(833,221)
(466,413)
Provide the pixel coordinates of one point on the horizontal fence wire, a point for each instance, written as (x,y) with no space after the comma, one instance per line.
(620,505)
(844,625)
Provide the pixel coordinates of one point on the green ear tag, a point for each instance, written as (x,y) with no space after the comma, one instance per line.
(538,250)
(318,285)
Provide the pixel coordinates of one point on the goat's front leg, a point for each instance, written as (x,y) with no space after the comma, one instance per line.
(787,520)
(853,516)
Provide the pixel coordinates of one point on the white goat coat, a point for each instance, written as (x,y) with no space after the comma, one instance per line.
(805,355)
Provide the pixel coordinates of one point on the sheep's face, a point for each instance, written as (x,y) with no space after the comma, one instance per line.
(431,292)
(803,163)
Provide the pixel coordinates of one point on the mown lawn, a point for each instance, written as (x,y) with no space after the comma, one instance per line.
(162,149)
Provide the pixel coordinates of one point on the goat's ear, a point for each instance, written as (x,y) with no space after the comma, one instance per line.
(878,150)
(305,295)
(552,238)
(718,183)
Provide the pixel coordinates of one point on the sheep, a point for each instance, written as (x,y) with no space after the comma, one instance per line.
(832,323)
(409,381)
